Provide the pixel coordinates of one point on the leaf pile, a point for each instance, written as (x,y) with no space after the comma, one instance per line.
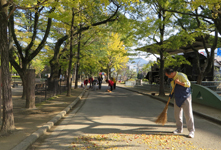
(119,141)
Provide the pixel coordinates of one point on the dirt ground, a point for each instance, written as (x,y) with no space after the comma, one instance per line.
(28,121)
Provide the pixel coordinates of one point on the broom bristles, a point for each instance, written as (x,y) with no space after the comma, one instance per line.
(162,118)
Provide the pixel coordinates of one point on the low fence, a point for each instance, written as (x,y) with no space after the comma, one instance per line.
(155,87)
(42,91)
(147,86)
(15,81)
(130,83)
(213,85)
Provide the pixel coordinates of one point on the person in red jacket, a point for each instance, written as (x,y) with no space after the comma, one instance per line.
(85,82)
(110,83)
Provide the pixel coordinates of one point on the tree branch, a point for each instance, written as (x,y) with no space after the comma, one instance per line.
(42,44)
(24,8)
(27,49)
(11,26)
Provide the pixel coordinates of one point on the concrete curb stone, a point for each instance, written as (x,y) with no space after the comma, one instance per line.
(42,130)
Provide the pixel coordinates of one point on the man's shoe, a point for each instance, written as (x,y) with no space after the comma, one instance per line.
(177,131)
(191,134)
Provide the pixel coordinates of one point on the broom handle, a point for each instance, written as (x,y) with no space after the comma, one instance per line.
(171,94)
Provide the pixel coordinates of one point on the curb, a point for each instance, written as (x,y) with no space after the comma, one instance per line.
(205,116)
(42,130)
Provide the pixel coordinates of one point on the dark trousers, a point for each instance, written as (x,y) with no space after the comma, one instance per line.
(114,86)
(111,88)
(99,85)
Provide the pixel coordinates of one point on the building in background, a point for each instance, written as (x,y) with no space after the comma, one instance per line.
(136,64)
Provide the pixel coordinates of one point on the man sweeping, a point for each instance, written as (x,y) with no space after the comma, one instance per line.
(182,102)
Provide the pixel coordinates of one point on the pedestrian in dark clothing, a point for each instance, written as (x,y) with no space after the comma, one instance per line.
(91,81)
(100,81)
(94,86)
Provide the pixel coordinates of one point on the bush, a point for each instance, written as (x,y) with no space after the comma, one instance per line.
(131,79)
(145,80)
(15,76)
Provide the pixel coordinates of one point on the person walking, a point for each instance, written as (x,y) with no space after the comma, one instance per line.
(94,87)
(91,81)
(182,102)
(100,82)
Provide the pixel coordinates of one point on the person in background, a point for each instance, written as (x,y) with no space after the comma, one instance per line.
(114,86)
(94,86)
(91,81)
(110,84)
(85,82)
(100,81)
(182,102)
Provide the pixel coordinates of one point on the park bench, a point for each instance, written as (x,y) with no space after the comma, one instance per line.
(15,84)
(39,87)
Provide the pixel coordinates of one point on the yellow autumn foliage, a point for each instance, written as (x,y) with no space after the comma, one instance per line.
(116,52)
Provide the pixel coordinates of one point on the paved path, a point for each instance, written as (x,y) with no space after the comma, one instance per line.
(209,113)
(124,120)
(31,123)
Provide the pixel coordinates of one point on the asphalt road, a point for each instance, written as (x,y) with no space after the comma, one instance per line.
(124,120)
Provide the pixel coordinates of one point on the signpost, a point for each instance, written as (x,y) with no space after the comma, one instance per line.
(218,51)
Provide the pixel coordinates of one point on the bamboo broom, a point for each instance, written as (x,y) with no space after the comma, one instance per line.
(162,118)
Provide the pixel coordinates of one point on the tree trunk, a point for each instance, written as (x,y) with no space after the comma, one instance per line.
(0,95)
(24,86)
(117,77)
(76,80)
(78,59)
(217,23)
(53,80)
(69,83)
(8,117)
(108,72)
(30,84)
(209,64)
(74,72)
(161,75)
(200,78)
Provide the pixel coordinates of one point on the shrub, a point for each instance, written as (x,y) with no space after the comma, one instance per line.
(145,80)
(131,79)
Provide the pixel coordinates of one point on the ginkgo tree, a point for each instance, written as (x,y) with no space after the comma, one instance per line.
(116,54)
(91,54)
(88,14)
(85,18)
